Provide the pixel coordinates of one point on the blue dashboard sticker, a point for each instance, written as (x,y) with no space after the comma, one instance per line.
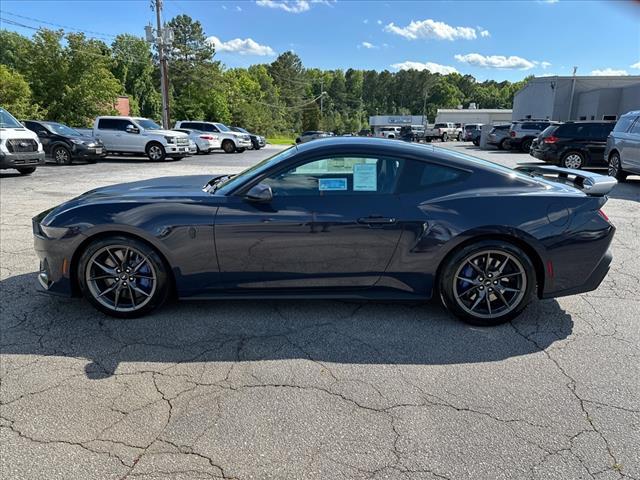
(332,184)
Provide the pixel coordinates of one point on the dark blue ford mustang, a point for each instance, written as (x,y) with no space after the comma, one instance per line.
(336,218)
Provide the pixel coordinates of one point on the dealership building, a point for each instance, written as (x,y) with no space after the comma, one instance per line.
(487,116)
(577,98)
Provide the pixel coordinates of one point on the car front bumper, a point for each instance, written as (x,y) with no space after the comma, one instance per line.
(21,160)
(88,153)
(177,150)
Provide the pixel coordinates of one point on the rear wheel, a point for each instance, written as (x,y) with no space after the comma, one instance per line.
(61,155)
(156,152)
(460,136)
(487,283)
(26,170)
(504,144)
(615,167)
(123,277)
(573,160)
(525,146)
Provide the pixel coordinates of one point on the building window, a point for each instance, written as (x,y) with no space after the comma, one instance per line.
(593,117)
(584,118)
(609,117)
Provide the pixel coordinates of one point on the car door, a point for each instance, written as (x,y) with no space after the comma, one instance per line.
(134,141)
(44,135)
(332,223)
(596,142)
(109,133)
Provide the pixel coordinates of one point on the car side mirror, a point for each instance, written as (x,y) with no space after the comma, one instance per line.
(132,129)
(260,193)
(42,133)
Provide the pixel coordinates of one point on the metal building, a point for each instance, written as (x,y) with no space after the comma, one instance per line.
(577,98)
(488,116)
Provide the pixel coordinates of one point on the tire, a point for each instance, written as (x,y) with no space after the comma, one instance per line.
(573,160)
(526,145)
(228,146)
(444,137)
(142,281)
(155,152)
(476,142)
(26,170)
(504,144)
(61,155)
(615,167)
(468,299)
(459,137)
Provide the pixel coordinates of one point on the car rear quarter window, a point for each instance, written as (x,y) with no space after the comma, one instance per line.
(423,176)
(624,123)
(635,128)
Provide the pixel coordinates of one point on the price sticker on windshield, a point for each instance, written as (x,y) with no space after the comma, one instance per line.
(332,184)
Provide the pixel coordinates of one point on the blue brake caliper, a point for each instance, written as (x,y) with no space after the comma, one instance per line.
(466,272)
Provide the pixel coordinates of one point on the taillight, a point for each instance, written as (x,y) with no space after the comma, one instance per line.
(206,137)
(512,134)
(604,216)
(550,139)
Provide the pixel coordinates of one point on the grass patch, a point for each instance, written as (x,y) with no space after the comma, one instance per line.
(281,140)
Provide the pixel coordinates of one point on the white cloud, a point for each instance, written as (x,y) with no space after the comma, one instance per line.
(368,45)
(433,29)
(485,33)
(544,65)
(609,72)
(241,46)
(292,6)
(550,2)
(379,22)
(430,66)
(495,61)
(636,66)
(238,8)
(365,21)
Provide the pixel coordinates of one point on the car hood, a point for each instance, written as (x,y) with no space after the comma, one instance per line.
(168,133)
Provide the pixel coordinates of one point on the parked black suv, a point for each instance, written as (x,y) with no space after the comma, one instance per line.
(256,140)
(573,144)
(64,144)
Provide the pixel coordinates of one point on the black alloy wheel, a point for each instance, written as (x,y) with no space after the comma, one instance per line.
(488,283)
(526,145)
(61,155)
(615,168)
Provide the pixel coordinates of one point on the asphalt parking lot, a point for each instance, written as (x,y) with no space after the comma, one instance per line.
(311,390)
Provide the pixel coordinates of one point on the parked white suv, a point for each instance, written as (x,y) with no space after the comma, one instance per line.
(19,146)
(140,136)
(230,141)
(389,132)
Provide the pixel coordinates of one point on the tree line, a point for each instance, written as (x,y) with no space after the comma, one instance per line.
(70,78)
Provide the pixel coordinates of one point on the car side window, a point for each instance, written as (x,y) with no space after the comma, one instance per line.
(419,176)
(108,124)
(624,123)
(331,176)
(635,128)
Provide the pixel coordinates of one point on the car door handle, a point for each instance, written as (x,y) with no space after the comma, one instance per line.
(377,221)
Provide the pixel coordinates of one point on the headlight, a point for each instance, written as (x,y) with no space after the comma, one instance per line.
(170,139)
(54,233)
(77,142)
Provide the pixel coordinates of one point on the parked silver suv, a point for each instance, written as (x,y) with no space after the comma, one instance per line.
(623,147)
(522,132)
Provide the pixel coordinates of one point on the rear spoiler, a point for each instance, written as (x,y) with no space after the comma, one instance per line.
(590,183)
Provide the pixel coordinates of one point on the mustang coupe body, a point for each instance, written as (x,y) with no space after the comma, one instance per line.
(350,218)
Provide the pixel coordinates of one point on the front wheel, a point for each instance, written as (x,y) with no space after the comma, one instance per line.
(445,137)
(615,167)
(228,146)
(487,283)
(526,145)
(459,137)
(156,152)
(123,277)
(26,170)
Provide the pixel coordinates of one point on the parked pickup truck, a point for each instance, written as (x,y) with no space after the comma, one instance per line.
(140,136)
(443,131)
(19,147)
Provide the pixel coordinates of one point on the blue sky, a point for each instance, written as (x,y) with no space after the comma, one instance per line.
(490,40)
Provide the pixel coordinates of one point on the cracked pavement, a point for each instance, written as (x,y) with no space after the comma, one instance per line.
(313,390)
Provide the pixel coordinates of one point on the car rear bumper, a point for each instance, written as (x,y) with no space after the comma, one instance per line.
(21,160)
(544,155)
(591,283)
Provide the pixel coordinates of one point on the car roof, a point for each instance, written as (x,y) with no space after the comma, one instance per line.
(632,113)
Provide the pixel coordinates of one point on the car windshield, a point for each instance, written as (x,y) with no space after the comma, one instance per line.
(238,129)
(7,121)
(148,124)
(222,128)
(228,184)
(62,129)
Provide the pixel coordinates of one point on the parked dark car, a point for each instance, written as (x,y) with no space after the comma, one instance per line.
(523,132)
(365,132)
(64,144)
(412,133)
(354,218)
(472,131)
(573,144)
(256,140)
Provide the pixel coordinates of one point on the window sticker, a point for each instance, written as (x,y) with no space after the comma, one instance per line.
(365,177)
(332,184)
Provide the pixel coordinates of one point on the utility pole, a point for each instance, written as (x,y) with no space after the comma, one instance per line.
(321,96)
(573,89)
(162,37)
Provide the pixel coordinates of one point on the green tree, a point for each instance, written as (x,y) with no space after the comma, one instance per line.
(15,95)
(311,117)
(14,50)
(133,66)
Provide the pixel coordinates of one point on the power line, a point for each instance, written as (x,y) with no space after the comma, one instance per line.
(24,17)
